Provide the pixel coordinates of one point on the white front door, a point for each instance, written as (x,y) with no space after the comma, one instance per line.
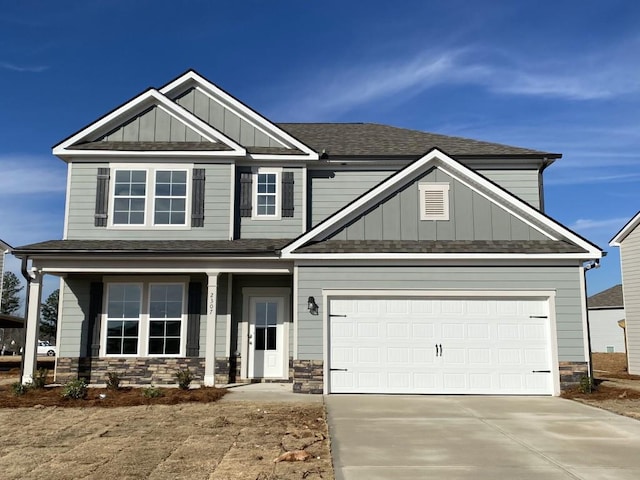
(266,337)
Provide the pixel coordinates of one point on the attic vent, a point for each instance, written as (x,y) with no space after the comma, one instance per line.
(434,201)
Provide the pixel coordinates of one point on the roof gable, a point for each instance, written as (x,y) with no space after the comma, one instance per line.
(437,159)
(472,215)
(223,111)
(4,246)
(625,231)
(123,125)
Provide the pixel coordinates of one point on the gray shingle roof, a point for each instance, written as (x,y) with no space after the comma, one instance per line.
(452,246)
(369,139)
(611,297)
(193,247)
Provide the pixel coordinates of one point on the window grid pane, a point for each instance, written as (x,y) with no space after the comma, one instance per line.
(130,197)
(123,315)
(165,318)
(171,197)
(266,194)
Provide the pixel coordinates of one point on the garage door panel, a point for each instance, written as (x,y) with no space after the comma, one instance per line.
(488,346)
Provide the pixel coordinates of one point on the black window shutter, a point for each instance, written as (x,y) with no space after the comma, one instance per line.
(197,199)
(245,194)
(102,197)
(193,319)
(95,315)
(287,194)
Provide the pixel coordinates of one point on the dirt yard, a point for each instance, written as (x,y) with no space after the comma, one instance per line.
(616,390)
(230,440)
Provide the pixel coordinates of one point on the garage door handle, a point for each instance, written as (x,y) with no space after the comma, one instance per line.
(540,371)
(338,370)
(337,315)
(438,350)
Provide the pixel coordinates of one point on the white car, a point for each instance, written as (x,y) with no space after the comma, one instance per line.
(45,348)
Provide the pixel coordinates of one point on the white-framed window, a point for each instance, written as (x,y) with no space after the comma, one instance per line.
(267,193)
(150,196)
(145,318)
(123,318)
(433,201)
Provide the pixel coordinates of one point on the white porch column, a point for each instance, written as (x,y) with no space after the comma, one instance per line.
(210,350)
(32,328)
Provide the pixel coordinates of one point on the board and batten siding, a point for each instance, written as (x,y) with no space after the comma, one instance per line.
(524,184)
(82,188)
(330,190)
(565,281)
(224,120)
(471,217)
(630,261)
(153,125)
(283,227)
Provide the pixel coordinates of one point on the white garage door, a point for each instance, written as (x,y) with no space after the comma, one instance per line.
(446,346)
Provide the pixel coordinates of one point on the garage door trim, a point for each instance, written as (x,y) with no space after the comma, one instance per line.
(548,295)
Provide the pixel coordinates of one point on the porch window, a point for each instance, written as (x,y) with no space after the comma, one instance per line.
(123,318)
(165,318)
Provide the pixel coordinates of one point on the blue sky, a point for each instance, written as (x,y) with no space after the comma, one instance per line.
(561,76)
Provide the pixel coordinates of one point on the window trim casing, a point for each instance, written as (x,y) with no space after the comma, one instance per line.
(150,197)
(143,325)
(442,187)
(254,193)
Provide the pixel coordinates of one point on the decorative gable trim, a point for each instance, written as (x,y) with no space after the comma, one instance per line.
(191,78)
(436,158)
(625,231)
(134,107)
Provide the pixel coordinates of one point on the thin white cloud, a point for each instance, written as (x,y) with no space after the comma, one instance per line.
(28,174)
(590,225)
(23,68)
(589,177)
(603,75)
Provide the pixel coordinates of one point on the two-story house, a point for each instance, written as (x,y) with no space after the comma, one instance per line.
(339,257)
(628,239)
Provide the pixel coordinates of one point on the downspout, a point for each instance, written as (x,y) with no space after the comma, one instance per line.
(545,164)
(585,269)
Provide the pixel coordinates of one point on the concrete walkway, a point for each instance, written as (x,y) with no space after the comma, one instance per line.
(267,392)
(417,437)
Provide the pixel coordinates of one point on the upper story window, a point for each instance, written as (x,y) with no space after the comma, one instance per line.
(433,201)
(149,197)
(266,193)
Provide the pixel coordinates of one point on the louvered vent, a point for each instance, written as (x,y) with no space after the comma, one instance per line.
(434,201)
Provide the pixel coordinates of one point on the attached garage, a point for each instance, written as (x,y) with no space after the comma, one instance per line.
(440,345)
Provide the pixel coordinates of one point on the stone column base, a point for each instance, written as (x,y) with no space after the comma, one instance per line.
(308,376)
(571,373)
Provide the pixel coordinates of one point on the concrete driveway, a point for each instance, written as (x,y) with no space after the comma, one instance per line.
(415,437)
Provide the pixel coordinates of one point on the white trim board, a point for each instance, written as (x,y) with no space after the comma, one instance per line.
(625,231)
(134,107)
(436,158)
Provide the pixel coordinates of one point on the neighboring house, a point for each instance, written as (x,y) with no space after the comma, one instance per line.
(339,257)
(606,320)
(628,239)
(4,249)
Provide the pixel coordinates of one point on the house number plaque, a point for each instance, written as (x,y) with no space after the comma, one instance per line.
(212,301)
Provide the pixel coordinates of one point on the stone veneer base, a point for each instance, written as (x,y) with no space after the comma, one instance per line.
(132,371)
(308,376)
(571,373)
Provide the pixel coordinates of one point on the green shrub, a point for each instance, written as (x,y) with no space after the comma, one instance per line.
(76,389)
(18,389)
(40,380)
(113,381)
(586,384)
(184,377)
(152,392)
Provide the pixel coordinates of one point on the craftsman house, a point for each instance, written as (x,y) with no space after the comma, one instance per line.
(344,258)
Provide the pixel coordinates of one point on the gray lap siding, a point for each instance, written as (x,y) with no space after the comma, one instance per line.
(565,281)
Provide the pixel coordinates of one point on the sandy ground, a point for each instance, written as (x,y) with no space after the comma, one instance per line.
(233,440)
